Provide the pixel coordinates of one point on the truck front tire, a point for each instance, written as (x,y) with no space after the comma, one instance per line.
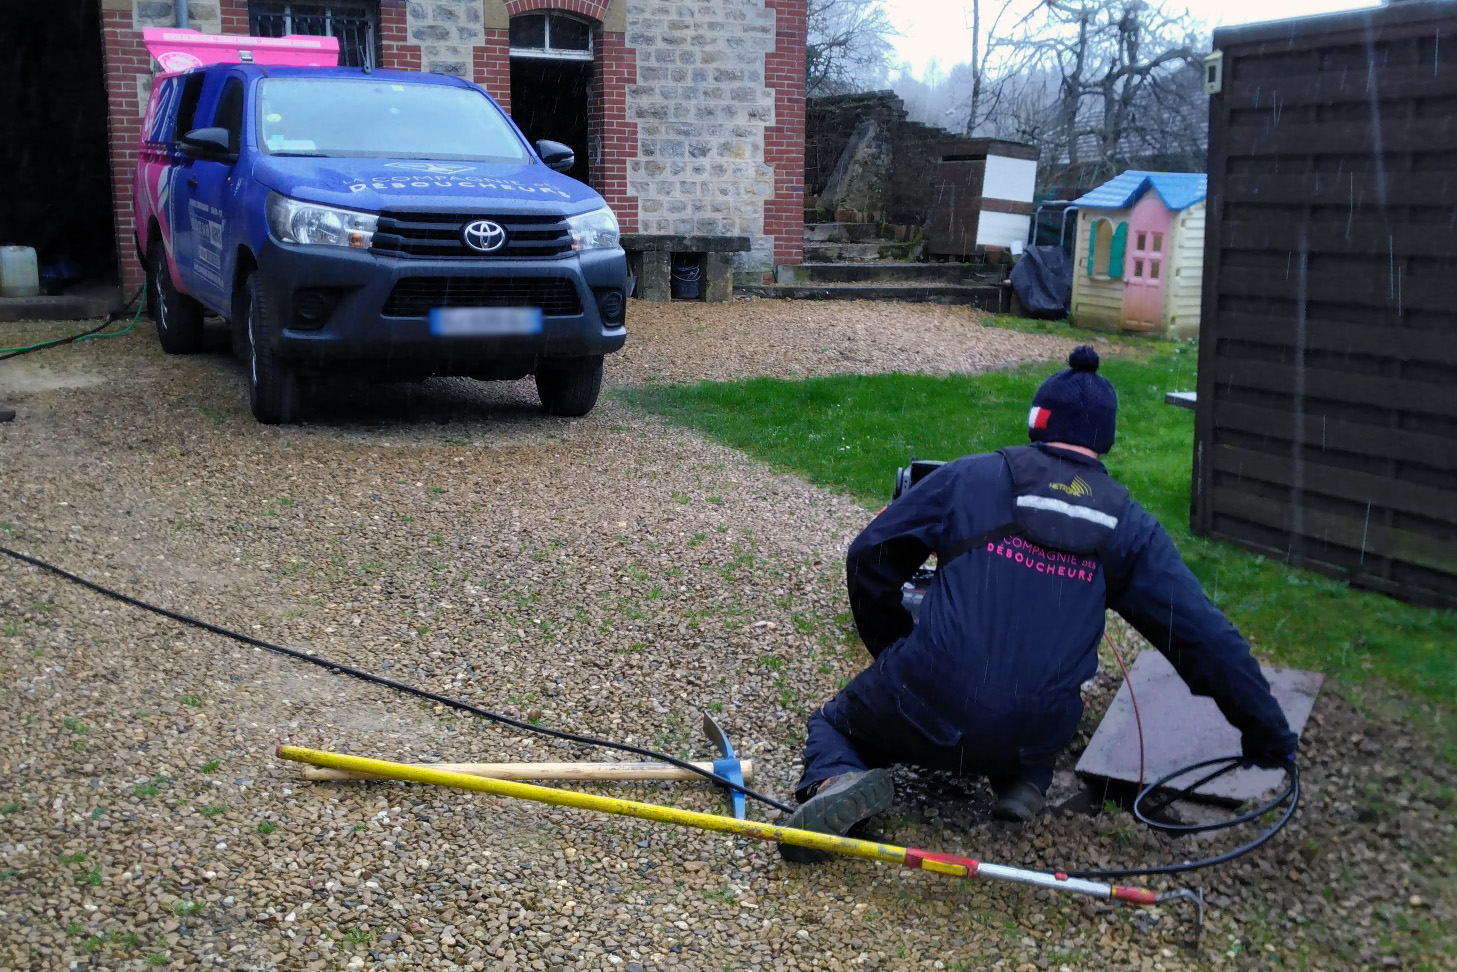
(177,316)
(273,387)
(569,386)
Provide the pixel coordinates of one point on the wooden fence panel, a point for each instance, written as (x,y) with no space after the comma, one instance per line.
(1326,429)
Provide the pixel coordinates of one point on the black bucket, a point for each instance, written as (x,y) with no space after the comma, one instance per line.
(686,280)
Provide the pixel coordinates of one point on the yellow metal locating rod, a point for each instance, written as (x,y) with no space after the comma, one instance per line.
(948,864)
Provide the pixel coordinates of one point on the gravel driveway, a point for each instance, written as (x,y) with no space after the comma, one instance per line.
(691,341)
(610,575)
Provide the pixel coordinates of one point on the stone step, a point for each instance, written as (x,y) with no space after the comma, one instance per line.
(885,271)
(988,297)
(841,232)
(859,252)
(67,307)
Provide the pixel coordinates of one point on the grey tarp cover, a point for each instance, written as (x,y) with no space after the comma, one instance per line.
(1043,280)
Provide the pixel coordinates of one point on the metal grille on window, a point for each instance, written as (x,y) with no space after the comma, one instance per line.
(355,24)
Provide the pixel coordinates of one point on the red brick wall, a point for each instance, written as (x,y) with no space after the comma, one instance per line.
(492,69)
(125,58)
(784,140)
(395,50)
(235,16)
(612,137)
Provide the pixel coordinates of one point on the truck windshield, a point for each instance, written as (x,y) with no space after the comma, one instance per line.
(377,118)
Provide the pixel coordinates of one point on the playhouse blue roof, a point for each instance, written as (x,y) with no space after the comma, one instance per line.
(1178,190)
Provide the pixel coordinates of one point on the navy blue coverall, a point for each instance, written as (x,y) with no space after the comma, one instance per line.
(1034,543)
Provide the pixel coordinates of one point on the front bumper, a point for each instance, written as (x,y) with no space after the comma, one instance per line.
(334,306)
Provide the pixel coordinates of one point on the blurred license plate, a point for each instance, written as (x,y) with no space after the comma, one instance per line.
(484,321)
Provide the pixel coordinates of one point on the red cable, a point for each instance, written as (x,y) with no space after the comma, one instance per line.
(1137,719)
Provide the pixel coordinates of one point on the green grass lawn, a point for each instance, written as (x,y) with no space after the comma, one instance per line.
(851,432)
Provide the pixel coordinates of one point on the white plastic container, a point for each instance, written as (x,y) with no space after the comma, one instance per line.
(19,272)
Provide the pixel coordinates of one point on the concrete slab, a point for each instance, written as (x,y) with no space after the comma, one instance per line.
(1188,400)
(1180,728)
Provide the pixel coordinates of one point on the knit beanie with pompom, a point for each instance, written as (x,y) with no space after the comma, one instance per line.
(1077,406)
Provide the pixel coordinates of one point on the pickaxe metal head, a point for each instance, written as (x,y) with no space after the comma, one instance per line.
(727,765)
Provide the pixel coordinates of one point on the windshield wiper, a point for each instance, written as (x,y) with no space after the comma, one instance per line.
(302,155)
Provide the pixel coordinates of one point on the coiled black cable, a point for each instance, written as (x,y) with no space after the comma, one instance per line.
(1225,764)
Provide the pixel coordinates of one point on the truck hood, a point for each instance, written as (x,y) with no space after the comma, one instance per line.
(372,185)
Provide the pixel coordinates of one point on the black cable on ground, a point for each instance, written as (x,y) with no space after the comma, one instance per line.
(1225,764)
(42,345)
(397,686)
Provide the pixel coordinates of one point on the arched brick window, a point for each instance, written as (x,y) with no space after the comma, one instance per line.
(552,35)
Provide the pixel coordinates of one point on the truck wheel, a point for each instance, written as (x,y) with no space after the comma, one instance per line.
(569,386)
(177,316)
(273,387)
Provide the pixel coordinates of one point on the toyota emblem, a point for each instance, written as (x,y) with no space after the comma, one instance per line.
(484,235)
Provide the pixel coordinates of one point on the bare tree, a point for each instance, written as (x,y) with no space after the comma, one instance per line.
(848,45)
(1103,84)
(985,92)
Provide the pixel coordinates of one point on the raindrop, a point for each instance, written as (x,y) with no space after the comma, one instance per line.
(1297,447)
(1377,151)
(1391,265)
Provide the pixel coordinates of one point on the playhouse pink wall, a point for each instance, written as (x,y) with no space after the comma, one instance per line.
(1146,262)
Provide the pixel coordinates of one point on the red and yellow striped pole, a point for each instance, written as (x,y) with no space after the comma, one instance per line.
(948,864)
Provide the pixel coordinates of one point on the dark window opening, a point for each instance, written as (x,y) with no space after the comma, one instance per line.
(187,104)
(529,32)
(567,34)
(552,98)
(354,23)
(229,113)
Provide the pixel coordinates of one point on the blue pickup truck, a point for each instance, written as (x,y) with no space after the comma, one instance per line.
(390,224)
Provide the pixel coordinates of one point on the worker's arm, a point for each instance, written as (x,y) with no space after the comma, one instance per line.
(888,551)
(1150,585)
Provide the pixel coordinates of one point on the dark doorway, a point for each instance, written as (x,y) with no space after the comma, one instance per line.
(552,98)
(54,161)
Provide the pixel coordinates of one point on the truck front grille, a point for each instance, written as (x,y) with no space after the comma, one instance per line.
(415,296)
(439,235)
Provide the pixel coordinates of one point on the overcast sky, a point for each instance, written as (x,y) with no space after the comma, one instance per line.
(939,28)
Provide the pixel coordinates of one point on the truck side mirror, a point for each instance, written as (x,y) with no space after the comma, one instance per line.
(209,144)
(557,156)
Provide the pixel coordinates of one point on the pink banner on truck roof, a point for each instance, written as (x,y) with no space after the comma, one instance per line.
(178,50)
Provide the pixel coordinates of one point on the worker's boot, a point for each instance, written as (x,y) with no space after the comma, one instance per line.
(1018,801)
(836,805)
(6,413)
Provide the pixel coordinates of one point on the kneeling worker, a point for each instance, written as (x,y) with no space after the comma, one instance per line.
(1033,544)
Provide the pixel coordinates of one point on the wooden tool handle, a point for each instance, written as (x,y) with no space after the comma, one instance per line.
(546,771)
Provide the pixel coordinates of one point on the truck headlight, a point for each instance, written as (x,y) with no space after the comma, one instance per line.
(596,230)
(293,221)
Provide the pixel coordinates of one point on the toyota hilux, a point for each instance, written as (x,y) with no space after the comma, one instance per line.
(389,224)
